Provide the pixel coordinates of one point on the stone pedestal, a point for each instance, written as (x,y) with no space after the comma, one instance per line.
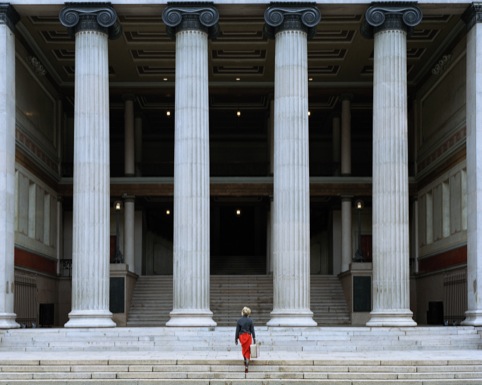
(191,273)
(91,196)
(123,282)
(291,200)
(8,18)
(391,279)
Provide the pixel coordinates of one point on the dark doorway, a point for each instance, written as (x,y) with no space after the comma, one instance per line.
(238,237)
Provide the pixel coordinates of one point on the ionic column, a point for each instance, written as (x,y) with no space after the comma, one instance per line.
(191,27)
(129,218)
(346,206)
(473,19)
(138,144)
(129,138)
(336,144)
(391,285)
(346,135)
(8,19)
(346,233)
(291,25)
(129,170)
(92,26)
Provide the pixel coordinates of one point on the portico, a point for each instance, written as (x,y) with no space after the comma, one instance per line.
(208,118)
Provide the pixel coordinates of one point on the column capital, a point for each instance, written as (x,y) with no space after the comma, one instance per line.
(348,97)
(391,16)
(8,15)
(128,198)
(196,15)
(291,16)
(472,15)
(128,97)
(90,17)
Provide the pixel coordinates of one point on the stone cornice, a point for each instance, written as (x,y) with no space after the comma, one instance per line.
(472,15)
(90,17)
(8,15)
(194,16)
(291,16)
(391,16)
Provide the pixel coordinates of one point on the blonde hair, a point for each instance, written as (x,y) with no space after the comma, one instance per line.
(246,311)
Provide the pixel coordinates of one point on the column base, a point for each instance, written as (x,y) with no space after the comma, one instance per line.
(182,318)
(292,319)
(391,319)
(7,321)
(472,318)
(90,319)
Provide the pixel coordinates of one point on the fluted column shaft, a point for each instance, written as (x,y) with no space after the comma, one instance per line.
(129,170)
(129,218)
(391,290)
(91,195)
(138,145)
(129,137)
(345,135)
(291,198)
(8,18)
(346,233)
(346,206)
(473,18)
(191,169)
(336,143)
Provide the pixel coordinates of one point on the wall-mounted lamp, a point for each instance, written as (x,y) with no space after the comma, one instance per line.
(119,258)
(359,205)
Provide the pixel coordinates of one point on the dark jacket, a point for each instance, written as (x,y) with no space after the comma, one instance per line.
(245,325)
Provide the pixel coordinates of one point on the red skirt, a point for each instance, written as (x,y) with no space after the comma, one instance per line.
(245,340)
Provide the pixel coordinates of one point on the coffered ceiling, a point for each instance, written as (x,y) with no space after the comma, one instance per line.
(241,58)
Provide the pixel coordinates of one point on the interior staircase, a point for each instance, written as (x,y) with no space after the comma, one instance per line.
(152,299)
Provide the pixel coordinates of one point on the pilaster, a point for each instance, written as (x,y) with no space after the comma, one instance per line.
(473,19)
(8,19)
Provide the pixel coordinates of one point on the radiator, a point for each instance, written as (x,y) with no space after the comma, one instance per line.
(455,297)
(26,304)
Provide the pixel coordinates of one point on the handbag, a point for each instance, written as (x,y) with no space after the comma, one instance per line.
(254,349)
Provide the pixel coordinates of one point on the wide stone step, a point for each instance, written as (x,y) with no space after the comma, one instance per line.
(320,339)
(229,371)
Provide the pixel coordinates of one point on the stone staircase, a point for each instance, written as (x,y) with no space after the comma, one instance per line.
(230,372)
(221,339)
(208,356)
(152,299)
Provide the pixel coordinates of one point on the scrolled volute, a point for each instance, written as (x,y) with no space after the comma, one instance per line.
(299,16)
(8,16)
(382,16)
(472,15)
(102,18)
(182,17)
